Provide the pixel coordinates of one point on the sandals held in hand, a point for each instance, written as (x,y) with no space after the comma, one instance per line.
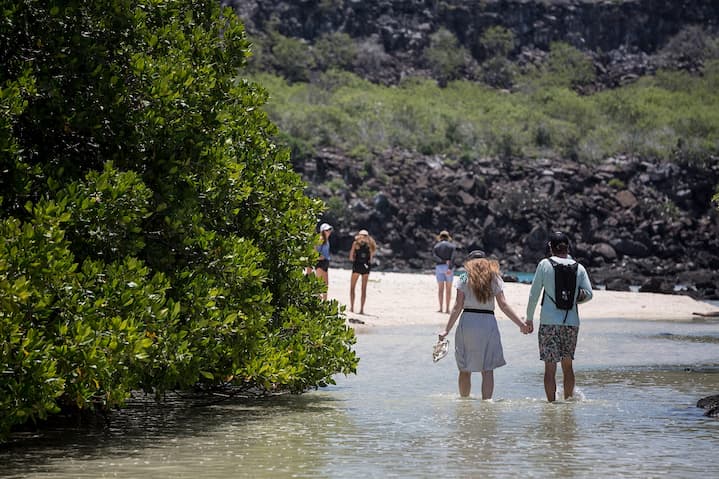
(440,350)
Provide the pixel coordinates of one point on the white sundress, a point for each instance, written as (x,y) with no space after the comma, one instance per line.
(477,342)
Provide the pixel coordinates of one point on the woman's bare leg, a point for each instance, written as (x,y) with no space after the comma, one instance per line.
(487,384)
(365,278)
(448,295)
(440,295)
(353,283)
(465,383)
(322,273)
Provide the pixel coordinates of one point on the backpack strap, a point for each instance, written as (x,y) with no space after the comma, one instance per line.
(555,303)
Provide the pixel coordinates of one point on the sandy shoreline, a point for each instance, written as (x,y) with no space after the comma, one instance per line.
(395,299)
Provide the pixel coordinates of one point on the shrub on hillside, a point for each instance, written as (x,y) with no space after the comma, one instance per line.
(371,56)
(497,41)
(692,44)
(445,57)
(568,66)
(498,72)
(335,50)
(292,57)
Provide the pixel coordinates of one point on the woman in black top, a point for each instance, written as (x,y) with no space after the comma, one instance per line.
(361,254)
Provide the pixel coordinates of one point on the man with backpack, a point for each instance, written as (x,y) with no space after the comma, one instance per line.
(564,283)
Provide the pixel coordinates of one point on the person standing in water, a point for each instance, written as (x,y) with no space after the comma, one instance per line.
(443,254)
(478,345)
(565,284)
(361,254)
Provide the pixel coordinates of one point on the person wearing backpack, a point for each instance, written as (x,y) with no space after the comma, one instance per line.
(361,254)
(564,284)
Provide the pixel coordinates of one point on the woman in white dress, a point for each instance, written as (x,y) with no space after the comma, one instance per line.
(478,346)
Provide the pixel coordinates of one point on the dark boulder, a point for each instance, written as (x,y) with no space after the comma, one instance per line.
(710,404)
(618,284)
(605,251)
(630,248)
(654,285)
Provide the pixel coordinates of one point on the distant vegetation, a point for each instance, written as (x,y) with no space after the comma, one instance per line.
(674,114)
(465,109)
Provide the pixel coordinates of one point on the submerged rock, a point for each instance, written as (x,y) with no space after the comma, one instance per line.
(710,404)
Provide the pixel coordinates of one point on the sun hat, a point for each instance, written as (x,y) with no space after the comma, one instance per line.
(476,254)
(444,234)
(325,227)
(363,233)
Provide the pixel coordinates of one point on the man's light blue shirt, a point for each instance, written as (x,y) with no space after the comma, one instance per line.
(544,280)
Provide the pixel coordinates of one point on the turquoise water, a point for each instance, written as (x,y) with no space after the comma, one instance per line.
(522,277)
(400,416)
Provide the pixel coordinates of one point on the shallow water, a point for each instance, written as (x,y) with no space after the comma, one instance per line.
(400,416)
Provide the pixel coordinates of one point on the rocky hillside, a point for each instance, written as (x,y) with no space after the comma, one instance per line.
(622,36)
(601,25)
(634,221)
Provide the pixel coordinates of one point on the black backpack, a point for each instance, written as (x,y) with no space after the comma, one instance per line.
(362,254)
(565,283)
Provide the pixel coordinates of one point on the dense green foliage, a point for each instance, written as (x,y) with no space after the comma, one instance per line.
(153,235)
(670,114)
(497,70)
(445,57)
(491,101)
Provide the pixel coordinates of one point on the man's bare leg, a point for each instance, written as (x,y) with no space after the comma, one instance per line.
(550,383)
(568,373)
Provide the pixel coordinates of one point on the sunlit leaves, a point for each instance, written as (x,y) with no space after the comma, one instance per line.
(153,235)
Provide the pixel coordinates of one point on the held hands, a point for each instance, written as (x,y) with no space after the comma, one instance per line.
(526,327)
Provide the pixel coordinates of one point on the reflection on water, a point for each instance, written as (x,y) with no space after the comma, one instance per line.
(400,416)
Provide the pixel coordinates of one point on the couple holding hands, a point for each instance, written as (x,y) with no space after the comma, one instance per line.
(478,346)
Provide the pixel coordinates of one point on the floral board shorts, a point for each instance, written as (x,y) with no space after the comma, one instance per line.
(557,342)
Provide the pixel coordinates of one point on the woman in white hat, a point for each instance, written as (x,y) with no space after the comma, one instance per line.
(323,262)
(361,254)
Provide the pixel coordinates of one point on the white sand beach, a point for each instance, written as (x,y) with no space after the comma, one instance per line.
(395,299)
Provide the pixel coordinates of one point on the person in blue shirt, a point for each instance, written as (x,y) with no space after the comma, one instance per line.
(323,262)
(558,328)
